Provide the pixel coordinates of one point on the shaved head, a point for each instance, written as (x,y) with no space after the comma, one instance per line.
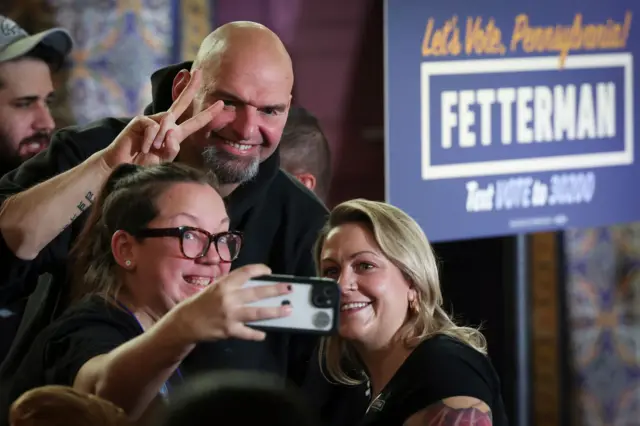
(247,66)
(242,38)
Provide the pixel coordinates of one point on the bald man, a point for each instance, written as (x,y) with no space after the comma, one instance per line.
(238,92)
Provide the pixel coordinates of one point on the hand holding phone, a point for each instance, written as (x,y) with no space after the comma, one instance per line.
(314,302)
(222,310)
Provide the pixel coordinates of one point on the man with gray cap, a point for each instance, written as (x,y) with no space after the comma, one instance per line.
(26,125)
(26,89)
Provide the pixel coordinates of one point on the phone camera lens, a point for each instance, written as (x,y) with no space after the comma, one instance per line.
(320,301)
(327,291)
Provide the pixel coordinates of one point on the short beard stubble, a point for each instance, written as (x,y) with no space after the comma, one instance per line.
(228,168)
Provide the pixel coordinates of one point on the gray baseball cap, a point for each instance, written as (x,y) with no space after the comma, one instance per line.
(15,42)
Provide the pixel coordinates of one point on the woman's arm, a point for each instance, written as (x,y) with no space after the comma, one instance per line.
(457,410)
(131,375)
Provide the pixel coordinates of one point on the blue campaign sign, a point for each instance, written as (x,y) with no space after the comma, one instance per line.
(507,117)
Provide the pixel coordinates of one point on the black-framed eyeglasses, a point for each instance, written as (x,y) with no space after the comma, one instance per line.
(195,242)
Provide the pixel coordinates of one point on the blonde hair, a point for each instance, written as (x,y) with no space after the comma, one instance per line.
(404,243)
(63,405)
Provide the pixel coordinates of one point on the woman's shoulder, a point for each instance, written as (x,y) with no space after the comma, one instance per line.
(444,366)
(439,368)
(445,345)
(447,356)
(89,328)
(93,315)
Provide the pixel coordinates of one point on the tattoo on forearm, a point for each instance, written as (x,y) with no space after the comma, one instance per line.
(441,414)
(81,207)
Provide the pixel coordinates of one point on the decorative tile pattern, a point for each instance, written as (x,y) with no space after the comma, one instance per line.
(197,23)
(119,43)
(604,313)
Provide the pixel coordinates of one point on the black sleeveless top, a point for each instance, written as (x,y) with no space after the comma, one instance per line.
(440,367)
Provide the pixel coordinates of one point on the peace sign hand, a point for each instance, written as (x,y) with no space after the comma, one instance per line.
(154,139)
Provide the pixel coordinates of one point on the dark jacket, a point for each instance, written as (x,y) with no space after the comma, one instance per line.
(279,217)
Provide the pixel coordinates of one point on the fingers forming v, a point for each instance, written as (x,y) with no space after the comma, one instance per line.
(150,132)
(178,107)
(199,120)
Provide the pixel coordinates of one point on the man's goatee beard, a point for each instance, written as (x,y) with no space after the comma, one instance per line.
(228,168)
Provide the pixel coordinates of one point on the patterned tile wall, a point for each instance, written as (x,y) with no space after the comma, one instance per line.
(604,313)
(119,43)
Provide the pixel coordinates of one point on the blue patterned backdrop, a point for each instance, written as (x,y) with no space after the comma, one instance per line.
(604,320)
(119,43)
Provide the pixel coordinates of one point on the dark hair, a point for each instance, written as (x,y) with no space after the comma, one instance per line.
(46,54)
(127,201)
(237,398)
(304,148)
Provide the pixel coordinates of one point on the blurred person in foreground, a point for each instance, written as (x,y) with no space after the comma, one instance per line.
(237,398)
(305,151)
(64,406)
(422,368)
(26,93)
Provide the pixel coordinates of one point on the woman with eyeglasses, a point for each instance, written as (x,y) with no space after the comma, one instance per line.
(151,280)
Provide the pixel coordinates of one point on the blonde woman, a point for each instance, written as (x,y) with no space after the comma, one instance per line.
(423,369)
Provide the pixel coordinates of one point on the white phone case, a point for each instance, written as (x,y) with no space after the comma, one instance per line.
(309,313)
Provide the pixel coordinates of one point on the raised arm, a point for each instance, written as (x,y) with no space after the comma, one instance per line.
(131,375)
(31,219)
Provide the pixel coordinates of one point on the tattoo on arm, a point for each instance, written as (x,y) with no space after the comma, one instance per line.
(443,414)
(82,206)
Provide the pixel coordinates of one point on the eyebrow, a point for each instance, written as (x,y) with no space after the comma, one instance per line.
(223,94)
(195,219)
(354,255)
(33,98)
(177,215)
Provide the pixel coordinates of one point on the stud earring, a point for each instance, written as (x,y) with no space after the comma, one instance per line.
(127,262)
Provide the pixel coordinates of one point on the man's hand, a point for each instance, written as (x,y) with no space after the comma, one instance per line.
(149,140)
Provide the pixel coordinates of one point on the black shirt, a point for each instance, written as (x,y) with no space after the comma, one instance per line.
(92,327)
(440,367)
(279,217)
(88,329)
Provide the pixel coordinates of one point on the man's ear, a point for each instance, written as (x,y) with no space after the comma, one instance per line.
(180,81)
(307,180)
(123,249)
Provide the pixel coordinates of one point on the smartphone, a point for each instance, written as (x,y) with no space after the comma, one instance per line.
(315,304)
